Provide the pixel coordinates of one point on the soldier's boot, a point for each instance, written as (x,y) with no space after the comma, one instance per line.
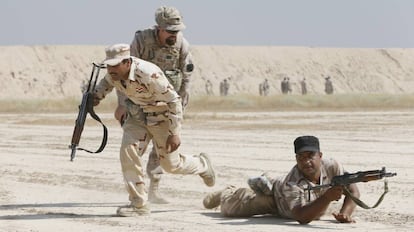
(209,177)
(131,211)
(154,172)
(154,194)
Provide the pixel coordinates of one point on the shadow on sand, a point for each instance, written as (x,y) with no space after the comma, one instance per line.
(265,220)
(44,211)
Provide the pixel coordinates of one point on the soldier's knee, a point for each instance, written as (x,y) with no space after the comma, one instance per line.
(169,168)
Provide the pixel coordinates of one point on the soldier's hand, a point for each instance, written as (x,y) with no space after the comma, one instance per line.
(184,97)
(120,114)
(343,218)
(333,193)
(96,100)
(173,142)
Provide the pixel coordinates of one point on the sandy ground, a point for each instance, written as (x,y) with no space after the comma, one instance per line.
(41,190)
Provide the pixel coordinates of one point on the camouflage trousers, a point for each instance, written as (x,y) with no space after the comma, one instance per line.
(136,137)
(244,202)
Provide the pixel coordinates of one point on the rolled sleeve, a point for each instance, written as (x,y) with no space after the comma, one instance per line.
(104,87)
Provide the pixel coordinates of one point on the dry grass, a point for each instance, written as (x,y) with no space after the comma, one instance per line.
(298,102)
(233,103)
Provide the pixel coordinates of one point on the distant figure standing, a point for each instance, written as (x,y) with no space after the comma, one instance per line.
(265,88)
(209,87)
(303,86)
(284,86)
(224,87)
(261,89)
(288,85)
(328,85)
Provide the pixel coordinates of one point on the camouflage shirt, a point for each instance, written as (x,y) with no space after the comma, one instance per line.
(177,57)
(289,191)
(148,88)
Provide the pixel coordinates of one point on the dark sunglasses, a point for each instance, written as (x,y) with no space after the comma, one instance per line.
(172,32)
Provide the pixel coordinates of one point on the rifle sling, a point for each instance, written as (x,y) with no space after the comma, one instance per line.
(361,203)
(105,131)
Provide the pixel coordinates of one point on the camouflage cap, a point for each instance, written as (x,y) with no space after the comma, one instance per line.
(169,18)
(116,53)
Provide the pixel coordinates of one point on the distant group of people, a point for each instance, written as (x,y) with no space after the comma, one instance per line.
(285,86)
(264,87)
(224,87)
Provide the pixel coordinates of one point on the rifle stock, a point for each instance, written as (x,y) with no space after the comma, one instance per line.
(86,107)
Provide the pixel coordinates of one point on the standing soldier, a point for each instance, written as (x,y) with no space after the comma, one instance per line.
(209,87)
(222,88)
(288,85)
(303,86)
(261,89)
(283,85)
(328,85)
(265,88)
(226,86)
(165,46)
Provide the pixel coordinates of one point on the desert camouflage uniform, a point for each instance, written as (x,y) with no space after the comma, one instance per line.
(288,192)
(154,113)
(176,62)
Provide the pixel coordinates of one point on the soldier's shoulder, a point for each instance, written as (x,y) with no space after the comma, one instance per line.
(146,66)
(148,33)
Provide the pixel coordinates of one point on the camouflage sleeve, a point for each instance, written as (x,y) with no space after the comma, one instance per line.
(288,195)
(104,87)
(294,196)
(173,101)
(175,117)
(121,98)
(164,92)
(186,65)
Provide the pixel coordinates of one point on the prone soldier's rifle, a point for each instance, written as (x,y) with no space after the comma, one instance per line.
(86,107)
(351,178)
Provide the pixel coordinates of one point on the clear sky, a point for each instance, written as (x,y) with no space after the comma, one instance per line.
(318,23)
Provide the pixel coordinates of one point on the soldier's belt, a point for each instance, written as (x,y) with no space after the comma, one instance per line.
(155,113)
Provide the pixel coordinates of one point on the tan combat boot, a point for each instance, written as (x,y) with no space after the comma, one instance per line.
(131,211)
(153,193)
(209,177)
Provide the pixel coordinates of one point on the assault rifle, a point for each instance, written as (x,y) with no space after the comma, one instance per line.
(351,178)
(86,107)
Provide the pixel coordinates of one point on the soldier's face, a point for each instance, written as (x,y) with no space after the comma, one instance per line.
(309,162)
(120,71)
(168,37)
